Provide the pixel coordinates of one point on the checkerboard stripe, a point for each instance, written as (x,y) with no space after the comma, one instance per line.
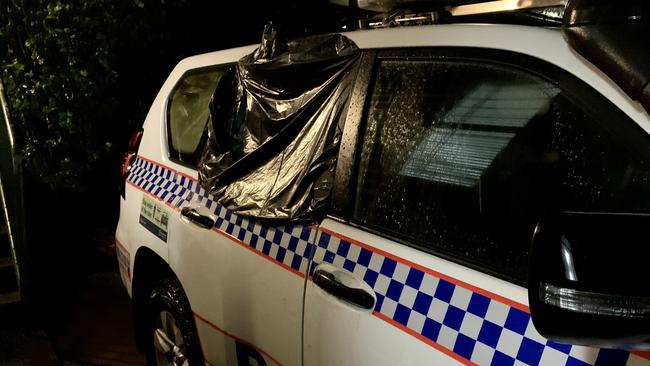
(289,246)
(480,329)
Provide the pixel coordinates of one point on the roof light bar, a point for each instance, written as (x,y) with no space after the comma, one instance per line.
(393,13)
(503,6)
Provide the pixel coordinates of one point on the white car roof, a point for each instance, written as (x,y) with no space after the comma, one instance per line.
(540,42)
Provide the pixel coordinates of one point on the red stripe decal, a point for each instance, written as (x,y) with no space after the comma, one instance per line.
(249,344)
(406,262)
(119,245)
(168,168)
(445,277)
(218,231)
(642,354)
(117,242)
(228,236)
(255,251)
(424,339)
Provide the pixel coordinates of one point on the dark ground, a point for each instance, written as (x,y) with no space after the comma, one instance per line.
(93,326)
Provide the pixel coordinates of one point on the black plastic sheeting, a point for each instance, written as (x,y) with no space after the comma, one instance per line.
(275,128)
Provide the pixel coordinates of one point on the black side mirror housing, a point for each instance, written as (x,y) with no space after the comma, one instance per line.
(588,280)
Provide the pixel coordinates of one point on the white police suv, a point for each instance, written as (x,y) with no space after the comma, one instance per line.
(476,191)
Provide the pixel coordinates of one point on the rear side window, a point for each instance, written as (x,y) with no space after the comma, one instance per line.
(188,113)
(465,157)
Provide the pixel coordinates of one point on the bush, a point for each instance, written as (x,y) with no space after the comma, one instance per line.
(58,67)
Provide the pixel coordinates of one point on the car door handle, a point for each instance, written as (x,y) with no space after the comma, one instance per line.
(357,296)
(196,218)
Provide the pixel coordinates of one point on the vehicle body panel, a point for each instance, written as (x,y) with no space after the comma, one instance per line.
(242,294)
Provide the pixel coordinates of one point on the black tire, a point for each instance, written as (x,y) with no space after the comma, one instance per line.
(167,297)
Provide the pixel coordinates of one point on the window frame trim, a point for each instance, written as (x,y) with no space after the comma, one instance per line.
(344,179)
(344,193)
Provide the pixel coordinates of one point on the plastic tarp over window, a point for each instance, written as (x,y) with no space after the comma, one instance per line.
(274,127)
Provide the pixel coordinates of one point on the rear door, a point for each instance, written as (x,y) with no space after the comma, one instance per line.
(244,280)
(459,154)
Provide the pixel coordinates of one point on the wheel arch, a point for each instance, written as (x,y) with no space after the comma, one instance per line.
(148,268)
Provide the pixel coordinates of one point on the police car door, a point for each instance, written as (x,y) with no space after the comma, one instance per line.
(459,153)
(244,280)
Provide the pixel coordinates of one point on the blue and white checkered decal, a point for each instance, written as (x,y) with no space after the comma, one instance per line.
(286,245)
(479,329)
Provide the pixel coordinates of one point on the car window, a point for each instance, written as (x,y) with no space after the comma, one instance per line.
(465,157)
(188,112)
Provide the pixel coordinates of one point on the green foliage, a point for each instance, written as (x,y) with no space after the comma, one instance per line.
(58,67)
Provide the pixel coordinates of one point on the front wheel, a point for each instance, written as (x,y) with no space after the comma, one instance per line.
(174,341)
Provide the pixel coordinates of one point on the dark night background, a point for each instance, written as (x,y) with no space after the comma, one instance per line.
(79,77)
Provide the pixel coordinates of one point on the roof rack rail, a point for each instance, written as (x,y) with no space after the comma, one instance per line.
(431,12)
(401,18)
(503,6)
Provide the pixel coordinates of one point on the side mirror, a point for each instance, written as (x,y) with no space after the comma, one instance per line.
(589,279)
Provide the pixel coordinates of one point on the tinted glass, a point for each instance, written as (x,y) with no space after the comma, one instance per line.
(188,111)
(466,157)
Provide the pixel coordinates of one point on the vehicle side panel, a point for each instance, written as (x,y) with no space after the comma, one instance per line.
(462,315)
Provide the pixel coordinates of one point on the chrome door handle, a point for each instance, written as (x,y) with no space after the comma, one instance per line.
(328,282)
(196,218)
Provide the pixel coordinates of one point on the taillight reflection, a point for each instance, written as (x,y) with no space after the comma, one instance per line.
(129,158)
